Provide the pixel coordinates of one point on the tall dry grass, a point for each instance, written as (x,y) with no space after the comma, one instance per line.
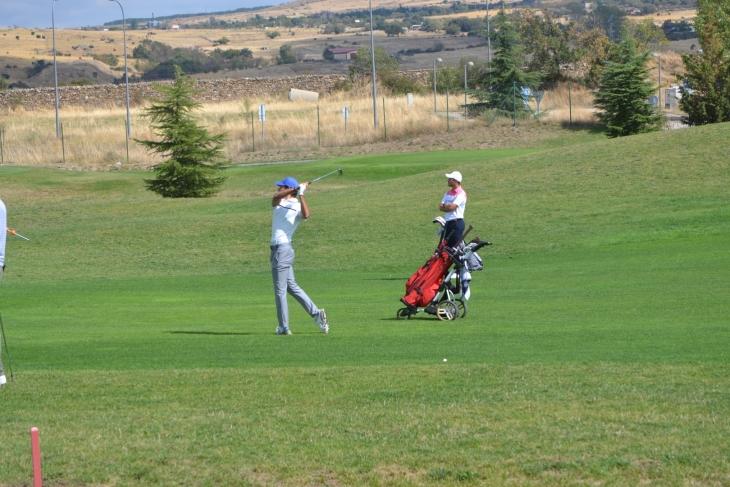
(567,102)
(95,139)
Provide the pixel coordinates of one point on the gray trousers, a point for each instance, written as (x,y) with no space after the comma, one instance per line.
(1,338)
(282,272)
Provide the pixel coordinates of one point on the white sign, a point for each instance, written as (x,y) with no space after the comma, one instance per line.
(409,99)
(346,113)
(262,113)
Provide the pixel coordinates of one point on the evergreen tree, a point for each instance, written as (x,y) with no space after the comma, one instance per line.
(708,74)
(505,78)
(193,156)
(624,91)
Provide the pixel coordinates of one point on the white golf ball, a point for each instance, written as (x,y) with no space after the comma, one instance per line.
(445,360)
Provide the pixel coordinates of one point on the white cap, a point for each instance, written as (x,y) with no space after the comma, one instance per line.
(454,175)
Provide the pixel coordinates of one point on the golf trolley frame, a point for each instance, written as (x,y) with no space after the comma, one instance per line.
(449,303)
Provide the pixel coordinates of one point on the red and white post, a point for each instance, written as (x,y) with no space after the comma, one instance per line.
(35,446)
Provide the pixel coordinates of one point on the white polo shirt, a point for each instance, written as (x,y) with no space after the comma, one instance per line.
(457,197)
(285,219)
(3,231)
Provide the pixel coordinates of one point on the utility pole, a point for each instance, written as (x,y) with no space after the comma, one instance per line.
(373,75)
(437,60)
(128,129)
(466,84)
(55,68)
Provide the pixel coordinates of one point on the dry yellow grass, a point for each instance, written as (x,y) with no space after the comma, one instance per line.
(672,68)
(477,14)
(74,45)
(556,104)
(308,7)
(94,139)
(660,17)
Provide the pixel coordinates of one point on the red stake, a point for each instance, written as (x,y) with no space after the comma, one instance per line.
(35,444)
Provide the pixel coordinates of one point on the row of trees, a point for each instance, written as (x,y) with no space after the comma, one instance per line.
(162,59)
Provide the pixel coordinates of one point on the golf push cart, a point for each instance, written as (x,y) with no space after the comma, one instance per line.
(441,286)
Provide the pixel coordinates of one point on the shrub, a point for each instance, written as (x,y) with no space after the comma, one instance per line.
(286,55)
(623,93)
(193,156)
(109,59)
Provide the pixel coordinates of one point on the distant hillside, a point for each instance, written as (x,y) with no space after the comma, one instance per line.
(301,8)
(25,73)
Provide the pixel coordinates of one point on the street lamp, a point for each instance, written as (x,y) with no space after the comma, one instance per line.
(128,131)
(373,74)
(55,67)
(659,65)
(466,84)
(489,37)
(437,60)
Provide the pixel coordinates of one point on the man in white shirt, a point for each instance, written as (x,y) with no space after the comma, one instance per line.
(453,205)
(3,233)
(288,213)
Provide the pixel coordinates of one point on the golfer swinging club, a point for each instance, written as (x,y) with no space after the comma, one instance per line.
(287,215)
(453,205)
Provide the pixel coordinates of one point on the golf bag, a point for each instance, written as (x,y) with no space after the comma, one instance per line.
(423,285)
(441,286)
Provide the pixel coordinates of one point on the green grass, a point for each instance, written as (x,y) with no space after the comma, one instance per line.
(595,350)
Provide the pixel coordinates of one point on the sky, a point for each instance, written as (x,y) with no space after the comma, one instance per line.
(81,13)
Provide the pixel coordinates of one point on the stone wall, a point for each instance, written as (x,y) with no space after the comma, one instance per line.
(210,91)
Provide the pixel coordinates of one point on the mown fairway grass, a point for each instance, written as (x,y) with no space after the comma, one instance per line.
(595,350)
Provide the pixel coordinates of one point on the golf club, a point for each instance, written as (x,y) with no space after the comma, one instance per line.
(5,347)
(337,171)
(12,231)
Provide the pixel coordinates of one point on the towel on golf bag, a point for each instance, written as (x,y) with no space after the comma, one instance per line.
(423,285)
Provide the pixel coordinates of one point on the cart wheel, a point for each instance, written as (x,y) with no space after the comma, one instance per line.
(403,313)
(461,307)
(447,311)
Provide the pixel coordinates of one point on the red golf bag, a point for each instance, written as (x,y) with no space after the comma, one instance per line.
(423,285)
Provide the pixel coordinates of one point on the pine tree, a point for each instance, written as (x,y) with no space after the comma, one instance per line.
(708,74)
(193,156)
(505,78)
(624,91)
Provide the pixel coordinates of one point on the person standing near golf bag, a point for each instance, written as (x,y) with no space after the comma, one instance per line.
(289,209)
(453,205)
(3,232)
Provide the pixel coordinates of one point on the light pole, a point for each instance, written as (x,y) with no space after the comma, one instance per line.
(466,84)
(55,67)
(489,40)
(128,131)
(659,65)
(373,74)
(437,60)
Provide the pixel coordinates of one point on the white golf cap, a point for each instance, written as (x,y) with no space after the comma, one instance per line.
(454,175)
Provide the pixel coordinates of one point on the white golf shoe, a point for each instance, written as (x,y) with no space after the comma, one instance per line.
(282,331)
(321,320)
